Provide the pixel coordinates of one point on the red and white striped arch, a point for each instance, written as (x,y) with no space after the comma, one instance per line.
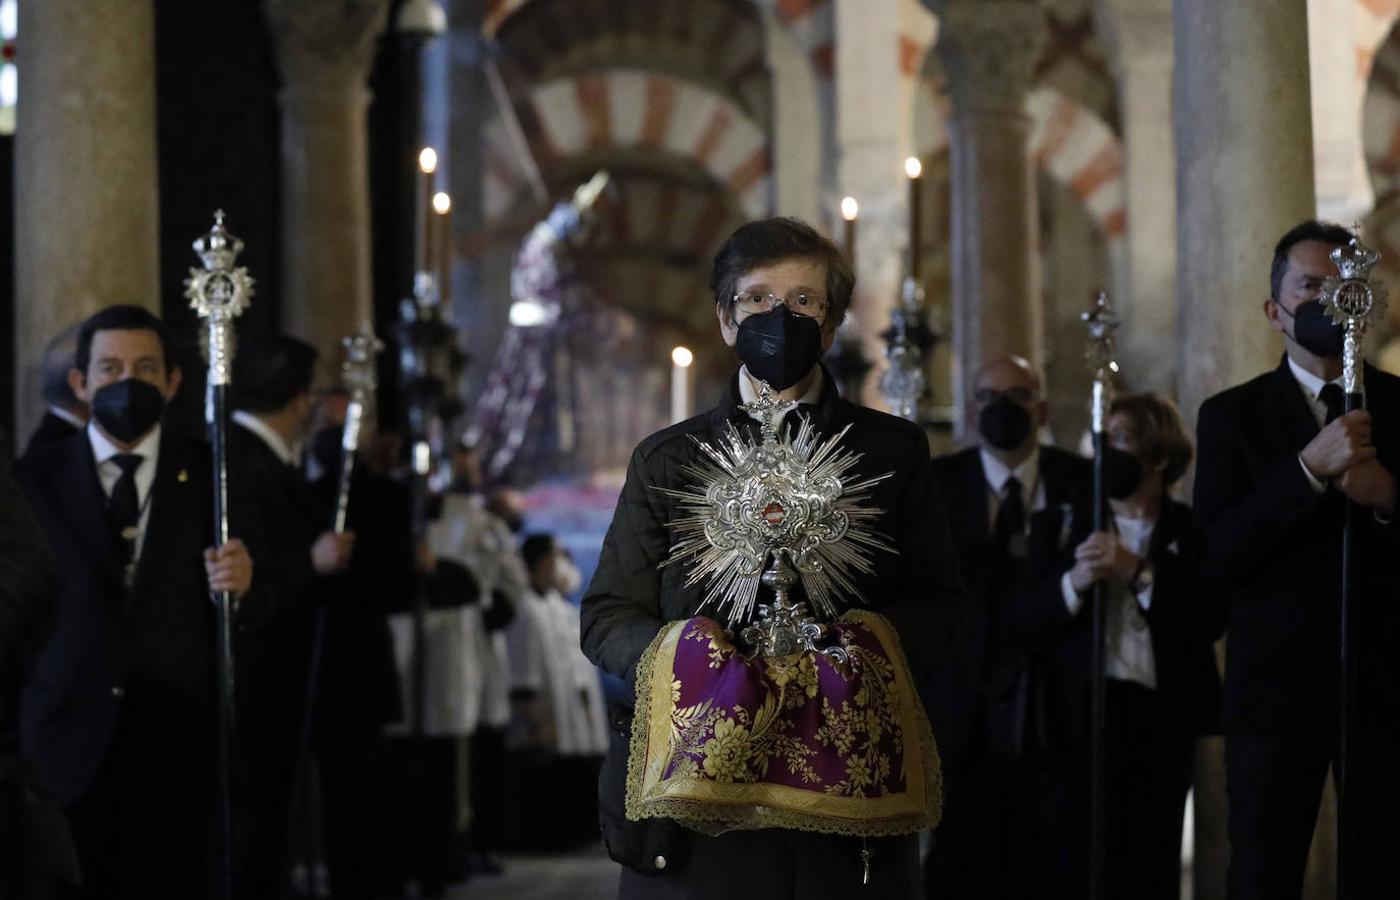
(1067,141)
(812,24)
(630,109)
(1372,24)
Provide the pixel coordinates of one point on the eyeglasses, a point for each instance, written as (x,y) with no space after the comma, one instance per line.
(799,302)
(1021,395)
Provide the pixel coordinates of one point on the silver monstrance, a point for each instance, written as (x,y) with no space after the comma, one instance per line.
(780,511)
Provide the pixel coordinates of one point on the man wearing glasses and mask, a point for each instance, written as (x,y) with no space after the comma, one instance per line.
(781,290)
(989,491)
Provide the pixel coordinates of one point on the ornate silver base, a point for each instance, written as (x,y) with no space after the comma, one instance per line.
(783,627)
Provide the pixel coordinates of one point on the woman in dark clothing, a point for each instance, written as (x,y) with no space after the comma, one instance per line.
(1163,687)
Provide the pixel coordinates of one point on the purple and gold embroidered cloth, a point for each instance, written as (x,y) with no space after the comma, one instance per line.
(723,742)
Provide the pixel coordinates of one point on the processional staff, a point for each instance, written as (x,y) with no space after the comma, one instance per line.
(1355,302)
(1102,321)
(219,293)
(358,374)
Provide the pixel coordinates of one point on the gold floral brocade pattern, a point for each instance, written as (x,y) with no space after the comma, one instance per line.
(722,742)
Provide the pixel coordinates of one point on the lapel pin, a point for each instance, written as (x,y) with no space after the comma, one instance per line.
(183,476)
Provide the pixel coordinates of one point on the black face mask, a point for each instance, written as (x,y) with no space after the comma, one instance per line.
(1004,423)
(779,347)
(128,408)
(1122,473)
(1314,329)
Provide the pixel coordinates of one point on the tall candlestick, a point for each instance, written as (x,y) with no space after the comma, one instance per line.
(427,165)
(442,216)
(849,210)
(914,169)
(681,358)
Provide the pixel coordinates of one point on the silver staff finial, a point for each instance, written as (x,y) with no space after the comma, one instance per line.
(1101,321)
(219,293)
(358,371)
(1355,301)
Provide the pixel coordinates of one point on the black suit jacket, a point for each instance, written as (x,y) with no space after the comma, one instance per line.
(50,430)
(144,652)
(992,579)
(1274,547)
(269,506)
(1185,619)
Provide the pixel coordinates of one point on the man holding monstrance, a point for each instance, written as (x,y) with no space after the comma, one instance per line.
(773,567)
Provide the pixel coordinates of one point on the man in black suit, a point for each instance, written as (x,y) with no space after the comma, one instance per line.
(1277,462)
(117,709)
(989,492)
(66,414)
(271,396)
(36,853)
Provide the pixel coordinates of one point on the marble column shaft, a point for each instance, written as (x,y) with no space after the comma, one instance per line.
(86,215)
(1242,124)
(989,50)
(1143,64)
(324,52)
(1243,129)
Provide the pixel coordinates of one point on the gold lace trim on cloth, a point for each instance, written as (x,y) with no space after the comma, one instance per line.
(727,791)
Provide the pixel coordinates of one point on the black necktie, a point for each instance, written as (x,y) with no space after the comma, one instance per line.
(1011,515)
(1331,395)
(123,507)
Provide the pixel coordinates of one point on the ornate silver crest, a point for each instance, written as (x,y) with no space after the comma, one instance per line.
(358,374)
(1355,301)
(219,293)
(789,497)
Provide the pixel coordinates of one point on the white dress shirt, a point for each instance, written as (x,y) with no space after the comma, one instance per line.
(998,474)
(748,393)
(1127,637)
(1312,386)
(280,448)
(103,451)
(68,417)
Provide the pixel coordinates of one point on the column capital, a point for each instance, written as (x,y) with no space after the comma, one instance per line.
(989,50)
(325,45)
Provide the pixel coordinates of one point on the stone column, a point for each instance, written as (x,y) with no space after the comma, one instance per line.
(1238,189)
(1139,33)
(324,52)
(86,222)
(989,51)
(870,167)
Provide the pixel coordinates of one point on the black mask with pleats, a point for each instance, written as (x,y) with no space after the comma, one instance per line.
(1004,424)
(127,409)
(779,347)
(1314,329)
(1122,473)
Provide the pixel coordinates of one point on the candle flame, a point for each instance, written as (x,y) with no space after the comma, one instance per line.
(427,160)
(682,357)
(442,203)
(913,168)
(849,209)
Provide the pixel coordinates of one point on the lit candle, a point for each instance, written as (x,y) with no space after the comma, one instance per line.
(442,209)
(849,210)
(427,165)
(913,168)
(681,358)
